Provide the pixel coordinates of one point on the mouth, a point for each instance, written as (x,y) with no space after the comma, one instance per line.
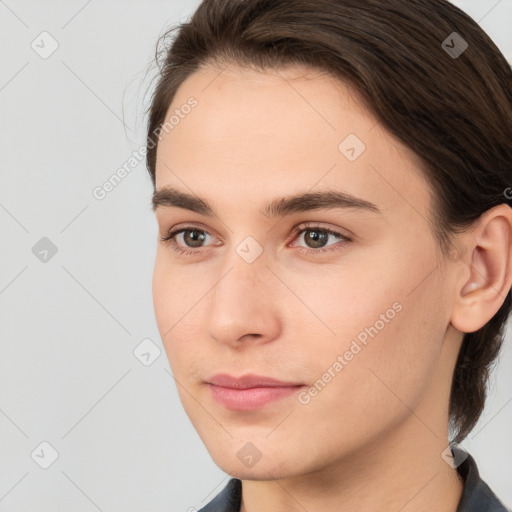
(249,392)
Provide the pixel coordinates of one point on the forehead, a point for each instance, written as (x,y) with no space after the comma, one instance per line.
(279,130)
(239,105)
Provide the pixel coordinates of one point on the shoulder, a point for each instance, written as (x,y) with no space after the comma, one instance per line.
(477,495)
(228,500)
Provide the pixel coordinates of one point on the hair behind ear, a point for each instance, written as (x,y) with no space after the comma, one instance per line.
(477,356)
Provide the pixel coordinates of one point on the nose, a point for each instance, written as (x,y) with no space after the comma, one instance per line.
(242,306)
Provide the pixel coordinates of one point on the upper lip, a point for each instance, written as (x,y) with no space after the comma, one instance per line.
(248,381)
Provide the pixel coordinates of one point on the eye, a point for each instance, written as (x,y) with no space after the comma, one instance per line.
(317,237)
(191,239)
(189,236)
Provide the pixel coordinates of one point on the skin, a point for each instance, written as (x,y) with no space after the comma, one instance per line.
(372,438)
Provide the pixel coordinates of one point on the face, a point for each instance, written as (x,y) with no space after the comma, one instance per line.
(341,295)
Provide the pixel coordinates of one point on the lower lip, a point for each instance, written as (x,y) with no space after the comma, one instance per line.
(252,398)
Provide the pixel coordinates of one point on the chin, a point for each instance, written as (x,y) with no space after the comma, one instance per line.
(262,470)
(248,461)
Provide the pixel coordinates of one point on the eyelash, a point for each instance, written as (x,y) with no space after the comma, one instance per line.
(299,230)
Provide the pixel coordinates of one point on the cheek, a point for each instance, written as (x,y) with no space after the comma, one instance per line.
(375,384)
(379,332)
(175,290)
(170,301)
(163,297)
(179,298)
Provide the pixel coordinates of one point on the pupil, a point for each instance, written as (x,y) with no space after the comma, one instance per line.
(315,237)
(194,238)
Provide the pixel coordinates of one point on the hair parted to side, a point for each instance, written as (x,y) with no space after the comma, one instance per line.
(454,113)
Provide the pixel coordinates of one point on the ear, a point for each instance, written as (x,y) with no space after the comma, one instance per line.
(488,262)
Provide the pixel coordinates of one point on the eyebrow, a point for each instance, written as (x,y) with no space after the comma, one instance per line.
(308,201)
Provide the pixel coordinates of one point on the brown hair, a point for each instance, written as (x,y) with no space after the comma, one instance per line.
(454,111)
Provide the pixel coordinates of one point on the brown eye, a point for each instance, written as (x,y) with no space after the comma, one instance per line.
(186,237)
(315,238)
(195,239)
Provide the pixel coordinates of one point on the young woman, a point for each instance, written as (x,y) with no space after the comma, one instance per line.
(332,190)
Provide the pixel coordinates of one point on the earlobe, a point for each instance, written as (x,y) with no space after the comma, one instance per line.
(489,261)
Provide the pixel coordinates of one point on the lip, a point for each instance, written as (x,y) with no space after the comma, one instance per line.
(247,381)
(249,392)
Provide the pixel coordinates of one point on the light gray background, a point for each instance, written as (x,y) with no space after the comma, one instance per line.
(68,327)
